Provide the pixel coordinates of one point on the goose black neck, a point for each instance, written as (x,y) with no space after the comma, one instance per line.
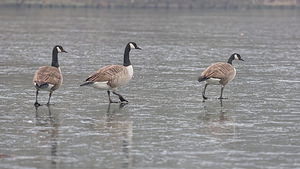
(54,58)
(230,59)
(126,56)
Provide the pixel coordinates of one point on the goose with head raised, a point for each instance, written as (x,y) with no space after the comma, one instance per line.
(111,77)
(48,78)
(219,73)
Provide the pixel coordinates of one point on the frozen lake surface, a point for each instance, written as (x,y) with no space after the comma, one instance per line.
(165,124)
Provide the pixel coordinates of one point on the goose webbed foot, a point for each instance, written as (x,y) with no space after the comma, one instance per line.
(36,104)
(123,100)
(121,97)
(204,98)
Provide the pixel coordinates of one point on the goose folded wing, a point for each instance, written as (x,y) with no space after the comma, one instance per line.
(105,74)
(48,74)
(218,70)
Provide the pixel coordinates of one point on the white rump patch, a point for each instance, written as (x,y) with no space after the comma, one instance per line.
(45,89)
(131,46)
(49,87)
(101,85)
(213,81)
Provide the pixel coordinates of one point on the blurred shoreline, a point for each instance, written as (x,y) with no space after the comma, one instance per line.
(165,4)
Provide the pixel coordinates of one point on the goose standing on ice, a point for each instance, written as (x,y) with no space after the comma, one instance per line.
(219,73)
(48,78)
(111,77)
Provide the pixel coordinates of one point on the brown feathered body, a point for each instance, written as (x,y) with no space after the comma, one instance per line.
(47,78)
(110,77)
(219,74)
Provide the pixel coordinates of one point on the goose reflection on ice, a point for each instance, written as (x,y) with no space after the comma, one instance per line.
(124,127)
(117,128)
(216,121)
(48,125)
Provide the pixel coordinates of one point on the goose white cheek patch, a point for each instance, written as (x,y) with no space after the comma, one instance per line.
(131,46)
(58,50)
(236,57)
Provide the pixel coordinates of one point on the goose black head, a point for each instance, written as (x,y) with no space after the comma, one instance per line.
(59,49)
(133,45)
(237,56)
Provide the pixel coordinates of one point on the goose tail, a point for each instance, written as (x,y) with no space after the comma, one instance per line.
(87,83)
(202,78)
(39,85)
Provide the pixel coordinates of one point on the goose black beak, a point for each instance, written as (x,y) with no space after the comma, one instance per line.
(138,48)
(64,51)
(242,59)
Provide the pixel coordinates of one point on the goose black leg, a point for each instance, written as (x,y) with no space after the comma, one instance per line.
(110,101)
(203,93)
(50,94)
(120,97)
(221,97)
(36,104)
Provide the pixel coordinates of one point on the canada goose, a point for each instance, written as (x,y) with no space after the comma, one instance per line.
(112,76)
(219,74)
(48,78)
